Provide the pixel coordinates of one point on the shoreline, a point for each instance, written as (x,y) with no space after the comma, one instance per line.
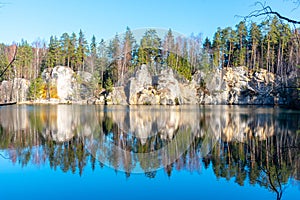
(87,102)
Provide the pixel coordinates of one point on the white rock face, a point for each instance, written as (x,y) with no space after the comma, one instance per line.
(70,85)
(63,77)
(14,90)
(162,89)
(137,84)
(168,87)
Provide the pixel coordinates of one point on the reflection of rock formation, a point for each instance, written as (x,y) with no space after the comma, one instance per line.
(146,122)
(228,123)
(63,122)
(149,137)
(14,118)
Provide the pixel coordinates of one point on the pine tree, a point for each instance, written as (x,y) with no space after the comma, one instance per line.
(169,52)
(127,51)
(114,55)
(232,39)
(242,43)
(102,61)
(72,51)
(93,54)
(255,37)
(81,52)
(24,61)
(217,48)
(54,52)
(150,49)
(65,45)
(206,59)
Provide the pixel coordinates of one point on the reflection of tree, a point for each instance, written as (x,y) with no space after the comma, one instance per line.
(269,163)
(260,148)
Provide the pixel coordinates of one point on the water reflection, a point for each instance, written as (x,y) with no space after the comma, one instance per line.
(258,145)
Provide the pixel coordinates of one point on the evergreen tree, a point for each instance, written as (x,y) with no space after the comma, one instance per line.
(93,54)
(127,51)
(242,43)
(232,39)
(82,51)
(206,59)
(217,48)
(114,55)
(255,37)
(72,51)
(54,52)
(24,61)
(65,45)
(102,61)
(150,49)
(169,51)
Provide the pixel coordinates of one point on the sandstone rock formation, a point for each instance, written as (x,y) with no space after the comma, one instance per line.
(237,85)
(241,86)
(70,86)
(14,90)
(162,89)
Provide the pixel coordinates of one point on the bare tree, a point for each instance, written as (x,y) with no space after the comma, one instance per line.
(266,10)
(11,62)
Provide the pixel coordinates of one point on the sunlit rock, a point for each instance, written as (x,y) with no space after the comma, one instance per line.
(116,97)
(14,90)
(63,78)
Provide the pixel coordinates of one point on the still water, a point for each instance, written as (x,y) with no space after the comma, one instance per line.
(149,152)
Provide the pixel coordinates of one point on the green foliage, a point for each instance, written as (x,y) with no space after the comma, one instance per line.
(36,89)
(109,85)
(24,60)
(149,47)
(54,52)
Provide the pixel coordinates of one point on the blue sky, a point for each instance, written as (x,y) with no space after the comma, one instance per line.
(32,19)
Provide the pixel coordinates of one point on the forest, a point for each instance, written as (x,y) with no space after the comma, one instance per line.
(272,45)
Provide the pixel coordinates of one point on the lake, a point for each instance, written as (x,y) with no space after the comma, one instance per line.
(149,152)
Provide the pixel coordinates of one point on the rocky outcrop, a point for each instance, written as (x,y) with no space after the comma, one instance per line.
(237,85)
(64,80)
(70,85)
(137,85)
(242,86)
(162,89)
(168,88)
(116,97)
(14,90)
(229,86)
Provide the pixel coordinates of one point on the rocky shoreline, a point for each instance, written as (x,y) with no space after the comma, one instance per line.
(232,86)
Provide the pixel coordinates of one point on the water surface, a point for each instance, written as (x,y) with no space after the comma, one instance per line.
(149,152)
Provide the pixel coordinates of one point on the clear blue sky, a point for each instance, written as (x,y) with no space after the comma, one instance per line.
(32,19)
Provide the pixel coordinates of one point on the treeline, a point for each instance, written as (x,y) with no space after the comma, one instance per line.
(271,45)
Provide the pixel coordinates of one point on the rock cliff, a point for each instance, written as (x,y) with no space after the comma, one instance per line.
(228,86)
(161,89)
(14,90)
(70,85)
(241,86)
